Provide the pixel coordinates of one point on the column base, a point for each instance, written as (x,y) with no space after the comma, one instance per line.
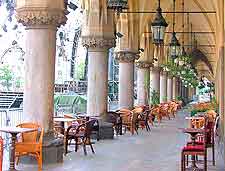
(52,151)
(106,130)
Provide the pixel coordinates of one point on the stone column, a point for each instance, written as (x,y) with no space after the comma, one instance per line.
(174,88)
(154,80)
(126,78)
(41,22)
(97,92)
(143,82)
(169,88)
(163,87)
(41,25)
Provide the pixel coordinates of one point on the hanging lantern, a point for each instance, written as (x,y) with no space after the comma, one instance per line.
(174,47)
(158,27)
(117,5)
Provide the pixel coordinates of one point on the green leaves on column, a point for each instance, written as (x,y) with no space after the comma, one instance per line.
(155,98)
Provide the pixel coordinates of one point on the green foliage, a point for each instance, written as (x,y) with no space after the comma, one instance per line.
(201,86)
(155,98)
(79,72)
(147,86)
(179,98)
(164,98)
(6,76)
(194,112)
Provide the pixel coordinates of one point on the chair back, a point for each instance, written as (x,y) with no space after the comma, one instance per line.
(113,117)
(34,135)
(1,152)
(91,126)
(155,111)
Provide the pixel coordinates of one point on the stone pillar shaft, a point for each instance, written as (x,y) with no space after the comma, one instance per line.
(97,92)
(41,24)
(163,87)
(97,74)
(126,85)
(126,78)
(175,88)
(154,80)
(142,83)
(169,89)
(39,76)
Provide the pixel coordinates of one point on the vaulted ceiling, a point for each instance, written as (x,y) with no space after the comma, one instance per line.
(203,26)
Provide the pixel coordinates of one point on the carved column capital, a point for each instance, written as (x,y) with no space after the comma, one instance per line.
(98,42)
(143,65)
(156,69)
(164,73)
(126,56)
(36,16)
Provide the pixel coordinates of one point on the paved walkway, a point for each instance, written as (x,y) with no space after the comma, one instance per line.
(158,150)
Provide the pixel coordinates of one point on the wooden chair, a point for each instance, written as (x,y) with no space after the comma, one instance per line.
(81,135)
(1,152)
(130,119)
(195,150)
(164,110)
(144,120)
(116,120)
(210,139)
(30,143)
(155,111)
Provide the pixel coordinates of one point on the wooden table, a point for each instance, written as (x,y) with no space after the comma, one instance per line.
(63,121)
(14,131)
(193,132)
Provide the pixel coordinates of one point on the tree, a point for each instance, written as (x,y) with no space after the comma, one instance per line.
(6,76)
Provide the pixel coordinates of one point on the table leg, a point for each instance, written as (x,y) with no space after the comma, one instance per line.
(12,155)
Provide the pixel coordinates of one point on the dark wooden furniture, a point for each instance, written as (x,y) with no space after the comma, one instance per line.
(81,135)
(144,119)
(116,120)
(210,139)
(194,149)
(14,131)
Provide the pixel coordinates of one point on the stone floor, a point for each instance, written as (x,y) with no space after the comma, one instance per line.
(158,150)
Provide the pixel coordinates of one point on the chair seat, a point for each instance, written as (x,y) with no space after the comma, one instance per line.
(21,147)
(196,142)
(198,148)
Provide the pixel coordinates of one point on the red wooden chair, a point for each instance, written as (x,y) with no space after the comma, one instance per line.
(210,139)
(195,150)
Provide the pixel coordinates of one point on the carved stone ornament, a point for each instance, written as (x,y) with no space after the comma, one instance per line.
(143,65)
(98,42)
(126,56)
(163,73)
(40,16)
(156,69)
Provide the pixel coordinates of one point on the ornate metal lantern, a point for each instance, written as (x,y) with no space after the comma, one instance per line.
(158,27)
(174,46)
(117,5)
